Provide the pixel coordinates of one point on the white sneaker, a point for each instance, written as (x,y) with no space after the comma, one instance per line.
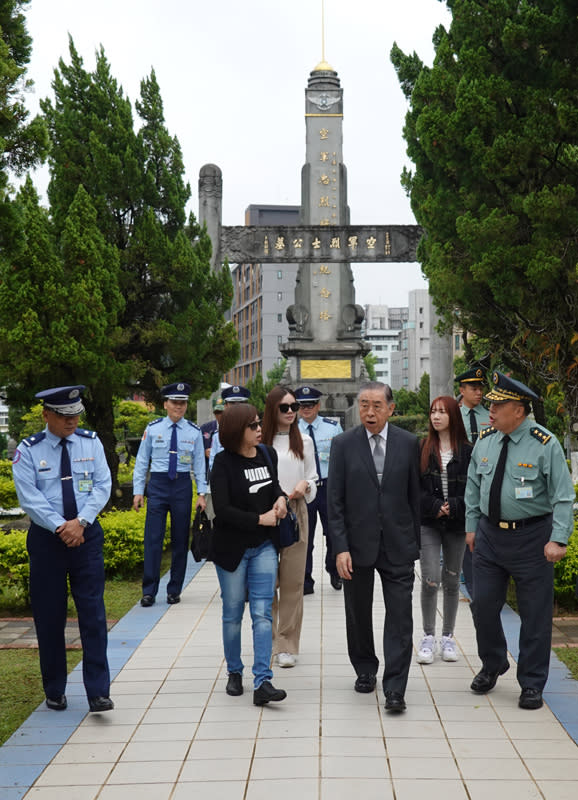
(448,647)
(286,659)
(425,654)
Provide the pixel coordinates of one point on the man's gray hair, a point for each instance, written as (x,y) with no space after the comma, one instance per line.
(377,386)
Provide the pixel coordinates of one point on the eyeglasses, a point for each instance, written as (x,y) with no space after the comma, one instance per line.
(285,407)
(254,425)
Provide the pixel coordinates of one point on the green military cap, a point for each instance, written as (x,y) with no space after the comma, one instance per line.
(506,389)
(472,375)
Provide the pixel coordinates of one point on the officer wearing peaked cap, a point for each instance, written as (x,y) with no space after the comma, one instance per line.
(476,418)
(171,446)
(322,430)
(519,498)
(231,394)
(63,482)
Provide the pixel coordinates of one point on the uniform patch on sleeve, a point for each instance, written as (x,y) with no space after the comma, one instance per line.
(542,436)
(17,456)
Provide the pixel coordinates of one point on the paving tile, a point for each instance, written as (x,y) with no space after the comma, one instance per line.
(355,767)
(215,790)
(155,751)
(96,752)
(503,790)
(145,772)
(285,768)
(482,748)
(429,768)
(304,789)
(558,789)
(74,774)
(57,793)
(494,768)
(346,788)
(547,769)
(221,748)
(287,747)
(137,791)
(418,789)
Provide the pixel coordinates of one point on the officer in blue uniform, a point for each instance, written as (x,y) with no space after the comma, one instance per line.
(63,482)
(519,498)
(321,430)
(231,394)
(171,446)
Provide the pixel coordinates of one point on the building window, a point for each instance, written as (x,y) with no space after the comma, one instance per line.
(279,317)
(280,341)
(280,274)
(279,295)
(457,341)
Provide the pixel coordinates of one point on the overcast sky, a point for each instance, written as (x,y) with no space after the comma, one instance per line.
(232,75)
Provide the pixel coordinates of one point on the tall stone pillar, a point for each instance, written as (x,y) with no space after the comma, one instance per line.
(325,348)
(210,207)
(441,361)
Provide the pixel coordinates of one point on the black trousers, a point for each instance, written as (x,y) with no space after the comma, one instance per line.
(51,564)
(397,585)
(501,554)
(315,507)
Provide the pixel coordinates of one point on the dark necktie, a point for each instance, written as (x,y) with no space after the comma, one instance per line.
(69,508)
(378,454)
(317,464)
(173,453)
(496,487)
(473,424)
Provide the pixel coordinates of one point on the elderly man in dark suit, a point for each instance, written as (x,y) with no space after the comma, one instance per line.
(373,503)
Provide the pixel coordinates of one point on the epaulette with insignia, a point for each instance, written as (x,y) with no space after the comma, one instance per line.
(155,421)
(542,436)
(34,439)
(192,424)
(487,432)
(85,433)
(331,421)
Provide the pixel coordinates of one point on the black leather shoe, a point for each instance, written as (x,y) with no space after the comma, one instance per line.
(336,582)
(173,599)
(365,683)
(147,600)
(267,693)
(100,703)
(57,703)
(308,590)
(235,684)
(531,699)
(485,681)
(394,702)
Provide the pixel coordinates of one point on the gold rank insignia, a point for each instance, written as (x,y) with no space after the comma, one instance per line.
(487,432)
(529,466)
(540,435)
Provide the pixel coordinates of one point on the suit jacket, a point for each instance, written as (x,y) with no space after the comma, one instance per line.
(365,515)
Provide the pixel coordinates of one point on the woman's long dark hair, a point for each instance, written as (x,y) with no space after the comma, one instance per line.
(457,431)
(269,429)
(233,423)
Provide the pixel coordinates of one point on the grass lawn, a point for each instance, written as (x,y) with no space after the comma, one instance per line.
(569,655)
(20,680)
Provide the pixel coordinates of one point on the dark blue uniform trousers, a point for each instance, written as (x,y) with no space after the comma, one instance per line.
(318,506)
(499,554)
(51,563)
(164,496)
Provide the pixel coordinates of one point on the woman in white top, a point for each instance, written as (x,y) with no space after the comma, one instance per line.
(298,479)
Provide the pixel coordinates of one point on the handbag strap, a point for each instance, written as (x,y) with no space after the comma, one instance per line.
(265,451)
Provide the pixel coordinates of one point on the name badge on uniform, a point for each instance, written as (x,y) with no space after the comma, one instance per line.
(85,485)
(184,458)
(524,492)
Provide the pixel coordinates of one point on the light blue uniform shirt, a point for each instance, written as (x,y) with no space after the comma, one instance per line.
(536,479)
(154,452)
(216,447)
(482,418)
(324,430)
(36,470)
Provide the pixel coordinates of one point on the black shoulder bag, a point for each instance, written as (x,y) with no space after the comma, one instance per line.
(289,526)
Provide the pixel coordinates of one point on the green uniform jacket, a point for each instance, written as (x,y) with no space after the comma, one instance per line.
(482,418)
(536,481)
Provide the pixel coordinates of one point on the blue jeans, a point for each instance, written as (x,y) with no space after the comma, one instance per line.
(255,575)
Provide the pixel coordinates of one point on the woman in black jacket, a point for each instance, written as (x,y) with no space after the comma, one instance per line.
(248,504)
(445,456)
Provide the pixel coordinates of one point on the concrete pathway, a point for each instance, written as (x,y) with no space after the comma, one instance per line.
(175,734)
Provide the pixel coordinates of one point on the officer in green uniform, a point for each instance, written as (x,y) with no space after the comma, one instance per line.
(519,498)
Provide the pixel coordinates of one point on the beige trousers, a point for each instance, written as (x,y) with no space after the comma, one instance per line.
(288,600)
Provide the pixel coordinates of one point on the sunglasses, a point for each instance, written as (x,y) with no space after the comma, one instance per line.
(285,407)
(308,404)
(254,425)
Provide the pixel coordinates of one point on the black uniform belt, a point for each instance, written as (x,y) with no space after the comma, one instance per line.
(518,524)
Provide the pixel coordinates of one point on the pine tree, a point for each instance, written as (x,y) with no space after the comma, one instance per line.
(492,130)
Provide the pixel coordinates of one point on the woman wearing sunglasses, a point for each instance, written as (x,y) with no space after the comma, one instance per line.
(248,503)
(298,479)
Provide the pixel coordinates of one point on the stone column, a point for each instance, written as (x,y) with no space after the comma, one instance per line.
(210,208)
(441,361)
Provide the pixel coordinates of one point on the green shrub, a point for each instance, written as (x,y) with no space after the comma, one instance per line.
(14,567)
(414,423)
(565,572)
(123,541)
(8,496)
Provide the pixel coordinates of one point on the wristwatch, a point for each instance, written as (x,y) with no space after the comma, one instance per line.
(84,522)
